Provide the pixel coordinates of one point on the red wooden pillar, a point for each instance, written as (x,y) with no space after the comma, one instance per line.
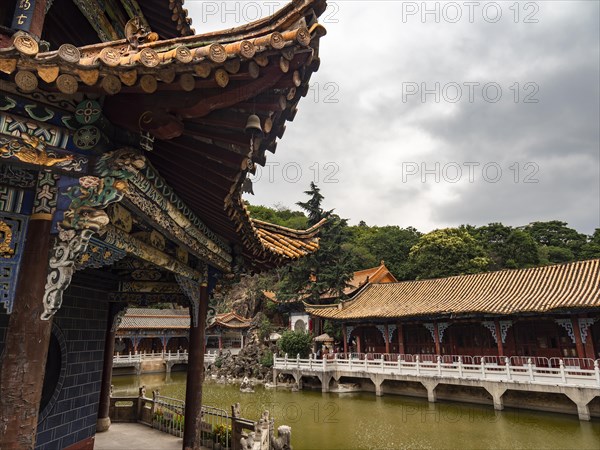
(510,344)
(387,338)
(590,350)
(345,336)
(578,342)
(499,338)
(316,325)
(436,338)
(103,422)
(220,342)
(358,343)
(26,347)
(195,375)
(400,331)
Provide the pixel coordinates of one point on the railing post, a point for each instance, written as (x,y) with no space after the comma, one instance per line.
(597,371)
(418,365)
(298,360)
(310,361)
(530,369)
(141,395)
(439,365)
(562,371)
(399,364)
(507,364)
(324,362)
(286,360)
(460,367)
(154,400)
(483,368)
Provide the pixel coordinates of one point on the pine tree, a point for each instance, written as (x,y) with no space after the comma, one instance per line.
(327,270)
(313,205)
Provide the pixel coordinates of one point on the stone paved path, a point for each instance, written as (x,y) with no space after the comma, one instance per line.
(135,436)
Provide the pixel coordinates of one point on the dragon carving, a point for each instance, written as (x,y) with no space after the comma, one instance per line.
(31,151)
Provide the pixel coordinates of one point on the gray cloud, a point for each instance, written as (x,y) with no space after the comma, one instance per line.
(370,132)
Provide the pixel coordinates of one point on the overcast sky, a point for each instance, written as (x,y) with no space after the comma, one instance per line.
(475,112)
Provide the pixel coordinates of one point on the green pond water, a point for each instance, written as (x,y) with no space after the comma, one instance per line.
(364,421)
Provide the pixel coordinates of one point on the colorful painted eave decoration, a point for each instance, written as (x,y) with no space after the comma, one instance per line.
(118,66)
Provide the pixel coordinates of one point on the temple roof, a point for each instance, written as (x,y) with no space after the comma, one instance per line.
(151,318)
(379,274)
(573,285)
(286,241)
(231,320)
(194,95)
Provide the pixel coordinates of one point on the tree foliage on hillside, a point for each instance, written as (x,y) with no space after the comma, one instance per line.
(279,215)
(446,252)
(391,244)
(409,254)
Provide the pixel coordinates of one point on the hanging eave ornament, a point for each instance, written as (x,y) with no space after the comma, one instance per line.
(254,129)
(146,139)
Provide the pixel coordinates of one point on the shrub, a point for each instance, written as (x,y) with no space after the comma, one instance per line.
(265,328)
(294,343)
(266,359)
(222,435)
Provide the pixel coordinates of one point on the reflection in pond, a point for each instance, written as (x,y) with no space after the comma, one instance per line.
(364,421)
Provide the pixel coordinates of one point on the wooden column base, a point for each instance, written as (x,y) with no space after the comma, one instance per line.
(102,424)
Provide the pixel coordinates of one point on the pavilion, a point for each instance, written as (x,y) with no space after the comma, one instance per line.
(125,144)
(542,312)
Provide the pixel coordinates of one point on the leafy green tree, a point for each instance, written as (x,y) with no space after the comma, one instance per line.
(446,252)
(327,270)
(392,244)
(591,249)
(557,234)
(551,254)
(519,250)
(333,329)
(507,247)
(294,343)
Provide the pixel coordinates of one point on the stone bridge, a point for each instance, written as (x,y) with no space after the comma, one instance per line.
(168,359)
(580,385)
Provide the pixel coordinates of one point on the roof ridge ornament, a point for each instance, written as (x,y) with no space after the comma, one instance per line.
(137,33)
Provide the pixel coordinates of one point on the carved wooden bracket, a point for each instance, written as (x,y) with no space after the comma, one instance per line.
(191,289)
(85,217)
(68,248)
